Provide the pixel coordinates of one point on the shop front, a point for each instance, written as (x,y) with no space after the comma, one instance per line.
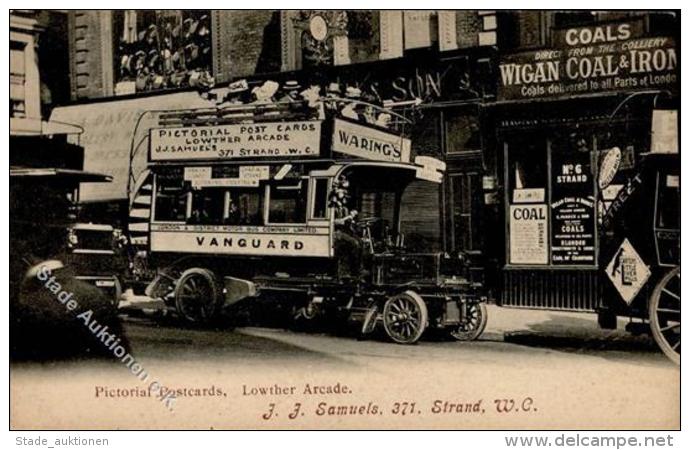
(572,125)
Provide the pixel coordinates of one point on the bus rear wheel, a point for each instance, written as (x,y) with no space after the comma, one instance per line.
(196,296)
(664,314)
(405,317)
(473,324)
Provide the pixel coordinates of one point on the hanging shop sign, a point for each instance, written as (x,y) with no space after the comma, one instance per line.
(369,143)
(528,229)
(429,169)
(589,60)
(622,196)
(609,165)
(260,140)
(627,271)
(572,210)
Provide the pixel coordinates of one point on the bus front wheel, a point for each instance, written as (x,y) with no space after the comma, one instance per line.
(405,317)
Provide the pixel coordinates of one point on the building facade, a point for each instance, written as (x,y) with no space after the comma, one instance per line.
(25,88)
(505,98)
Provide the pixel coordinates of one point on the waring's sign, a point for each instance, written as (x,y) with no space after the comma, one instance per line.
(590,60)
(369,143)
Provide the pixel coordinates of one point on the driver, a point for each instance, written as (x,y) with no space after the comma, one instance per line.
(348,247)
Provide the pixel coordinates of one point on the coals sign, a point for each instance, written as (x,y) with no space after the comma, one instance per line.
(601,58)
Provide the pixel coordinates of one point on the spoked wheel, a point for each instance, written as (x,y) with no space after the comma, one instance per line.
(405,317)
(196,295)
(664,314)
(473,325)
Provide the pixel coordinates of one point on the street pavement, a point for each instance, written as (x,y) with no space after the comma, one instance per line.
(532,334)
(579,376)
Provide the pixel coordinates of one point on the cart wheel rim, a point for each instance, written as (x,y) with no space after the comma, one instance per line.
(405,318)
(474,323)
(195,297)
(664,314)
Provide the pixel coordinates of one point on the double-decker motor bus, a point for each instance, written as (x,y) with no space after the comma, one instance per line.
(282,202)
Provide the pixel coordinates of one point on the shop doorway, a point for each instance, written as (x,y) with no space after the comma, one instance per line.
(466,203)
(463,189)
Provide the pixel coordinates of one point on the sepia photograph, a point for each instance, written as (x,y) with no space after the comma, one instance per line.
(344,219)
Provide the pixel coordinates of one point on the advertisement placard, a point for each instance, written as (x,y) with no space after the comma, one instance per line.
(572,210)
(528,229)
(258,140)
(369,143)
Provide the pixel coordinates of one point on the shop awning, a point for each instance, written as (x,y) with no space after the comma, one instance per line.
(38,127)
(77,176)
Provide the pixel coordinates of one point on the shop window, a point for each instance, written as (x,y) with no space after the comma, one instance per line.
(17,78)
(320,208)
(171,200)
(207,206)
(463,134)
(244,207)
(528,172)
(287,202)
(551,204)
(367,204)
(467,202)
(162,49)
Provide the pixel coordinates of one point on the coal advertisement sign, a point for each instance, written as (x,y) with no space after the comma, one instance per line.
(588,60)
(572,210)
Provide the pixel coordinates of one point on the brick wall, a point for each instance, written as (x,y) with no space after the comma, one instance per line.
(245,43)
(91,54)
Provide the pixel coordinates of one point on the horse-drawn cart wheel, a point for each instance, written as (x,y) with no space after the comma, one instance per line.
(405,317)
(664,314)
(196,295)
(473,323)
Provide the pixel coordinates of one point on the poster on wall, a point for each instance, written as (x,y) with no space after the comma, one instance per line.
(528,228)
(572,210)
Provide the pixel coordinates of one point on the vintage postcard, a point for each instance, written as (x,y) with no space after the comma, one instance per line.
(344,219)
